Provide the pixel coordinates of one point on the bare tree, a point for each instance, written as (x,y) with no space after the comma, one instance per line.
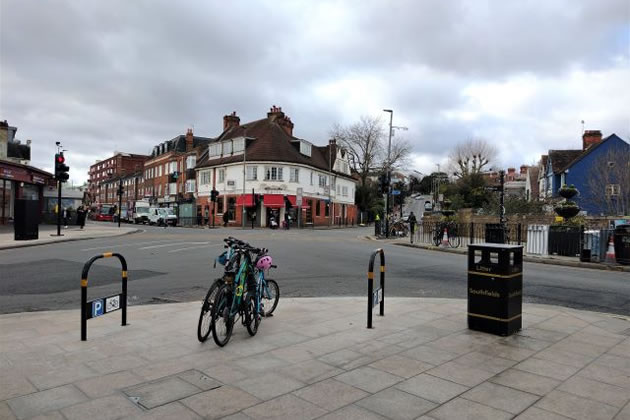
(608,181)
(399,156)
(363,140)
(471,157)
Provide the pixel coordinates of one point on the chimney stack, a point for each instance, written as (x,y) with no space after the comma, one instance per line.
(189,140)
(275,113)
(591,137)
(231,121)
(524,169)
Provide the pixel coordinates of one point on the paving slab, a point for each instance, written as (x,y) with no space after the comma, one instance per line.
(564,363)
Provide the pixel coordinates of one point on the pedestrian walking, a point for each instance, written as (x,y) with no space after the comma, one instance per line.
(412,224)
(65,217)
(226,218)
(377,225)
(81,213)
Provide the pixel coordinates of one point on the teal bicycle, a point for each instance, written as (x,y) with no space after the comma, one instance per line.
(246,295)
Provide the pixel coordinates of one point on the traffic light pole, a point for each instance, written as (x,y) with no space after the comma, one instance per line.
(59,208)
(120,200)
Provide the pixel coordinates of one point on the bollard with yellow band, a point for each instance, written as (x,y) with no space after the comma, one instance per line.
(102,306)
(376,297)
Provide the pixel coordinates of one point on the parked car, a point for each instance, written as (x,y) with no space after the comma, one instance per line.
(162,216)
(104,214)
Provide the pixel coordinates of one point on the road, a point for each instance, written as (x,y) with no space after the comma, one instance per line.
(176,264)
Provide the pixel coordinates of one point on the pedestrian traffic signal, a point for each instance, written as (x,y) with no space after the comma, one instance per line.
(61,169)
(383,183)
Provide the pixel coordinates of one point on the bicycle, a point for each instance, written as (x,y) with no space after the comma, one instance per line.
(399,229)
(205,317)
(454,240)
(232,302)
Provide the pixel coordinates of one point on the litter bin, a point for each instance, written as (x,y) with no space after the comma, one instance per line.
(495,233)
(26,221)
(495,288)
(622,244)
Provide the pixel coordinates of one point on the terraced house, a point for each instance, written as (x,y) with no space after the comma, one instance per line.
(260,168)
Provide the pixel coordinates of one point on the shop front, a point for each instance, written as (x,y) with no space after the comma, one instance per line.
(20,182)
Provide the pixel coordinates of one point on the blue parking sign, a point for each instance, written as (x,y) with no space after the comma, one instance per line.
(97,308)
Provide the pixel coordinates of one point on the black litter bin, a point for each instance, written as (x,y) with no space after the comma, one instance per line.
(622,244)
(495,233)
(495,288)
(26,220)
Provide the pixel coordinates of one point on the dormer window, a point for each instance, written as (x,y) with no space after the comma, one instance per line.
(305,148)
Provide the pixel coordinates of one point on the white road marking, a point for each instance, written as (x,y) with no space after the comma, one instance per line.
(173,244)
(193,247)
(128,244)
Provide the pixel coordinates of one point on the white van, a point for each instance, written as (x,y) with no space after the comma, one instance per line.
(162,216)
(141,212)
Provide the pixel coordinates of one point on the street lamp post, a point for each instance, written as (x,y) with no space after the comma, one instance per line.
(388,169)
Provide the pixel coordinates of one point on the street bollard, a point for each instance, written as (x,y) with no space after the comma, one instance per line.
(376,297)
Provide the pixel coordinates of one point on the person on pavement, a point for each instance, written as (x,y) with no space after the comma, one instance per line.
(412,222)
(81,213)
(226,217)
(65,217)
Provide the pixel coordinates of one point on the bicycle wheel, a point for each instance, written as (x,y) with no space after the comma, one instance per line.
(437,239)
(454,241)
(205,318)
(252,320)
(270,297)
(222,321)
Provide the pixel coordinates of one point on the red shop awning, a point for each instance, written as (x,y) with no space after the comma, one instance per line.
(293,201)
(274,201)
(247,200)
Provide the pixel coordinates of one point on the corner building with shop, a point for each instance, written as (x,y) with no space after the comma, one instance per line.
(260,168)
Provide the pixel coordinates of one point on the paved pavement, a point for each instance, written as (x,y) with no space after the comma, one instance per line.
(72,233)
(316,359)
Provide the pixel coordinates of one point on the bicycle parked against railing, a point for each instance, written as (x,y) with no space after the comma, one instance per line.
(451,229)
(269,289)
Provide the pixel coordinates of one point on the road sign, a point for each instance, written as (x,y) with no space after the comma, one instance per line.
(298,198)
(377,297)
(112,303)
(97,308)
(395,192)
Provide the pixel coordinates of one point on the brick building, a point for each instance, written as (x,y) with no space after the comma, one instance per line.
(263,158)
(169,173)
(103,172)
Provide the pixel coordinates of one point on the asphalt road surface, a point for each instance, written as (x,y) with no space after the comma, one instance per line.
(176,264)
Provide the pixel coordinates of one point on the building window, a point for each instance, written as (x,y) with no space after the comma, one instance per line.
(159,190)
(344,191)
(173,188)
(220,205)
(273,173)
(338,189)
(238,145)
(327,208)
(204,178)
(172,167)
(294,175)
(305,148)
(221,175)
(252,173)
(190,186)
(214,150)
(191,161)
(317,210)
(311,177)
(322,180)
(612,190)
(159,172)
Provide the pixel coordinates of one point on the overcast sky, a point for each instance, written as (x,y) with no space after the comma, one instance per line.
(125,75)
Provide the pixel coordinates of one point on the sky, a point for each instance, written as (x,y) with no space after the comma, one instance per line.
(120,75)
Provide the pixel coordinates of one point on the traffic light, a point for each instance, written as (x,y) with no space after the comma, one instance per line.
(213,195)
(383,183)
(121,191)
(61,169)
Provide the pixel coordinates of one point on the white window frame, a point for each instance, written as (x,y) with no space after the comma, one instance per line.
(305,148)
(323,180)
(238,145)
(221,175)
(214,150)
(273,173)
(311,177)
(172,188)
(204,178)
(252,173)
(190,186)
(294,175)
(191,161)
(227,147)
(344,191)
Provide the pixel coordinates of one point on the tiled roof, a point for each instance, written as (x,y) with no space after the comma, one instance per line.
(561,159)
(178,144)
(268,141)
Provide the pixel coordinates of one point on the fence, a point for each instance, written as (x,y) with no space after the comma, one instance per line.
(465,233)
